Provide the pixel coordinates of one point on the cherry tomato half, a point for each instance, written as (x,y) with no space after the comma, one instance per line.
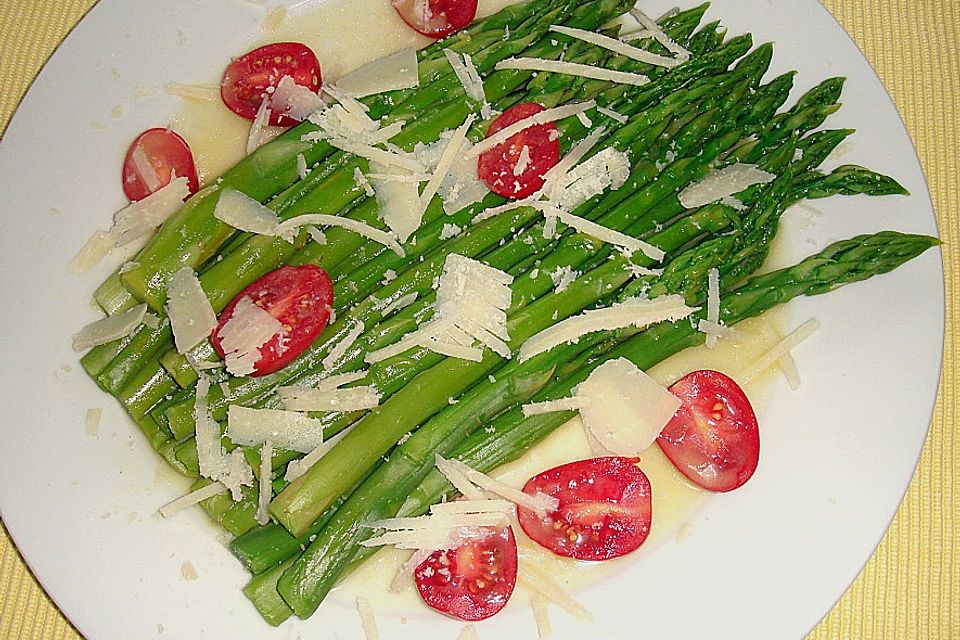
(473,581)
(154,158)
(605,508)
(497,167)
(300,298)
(436,18)
(713,438)
(248,79)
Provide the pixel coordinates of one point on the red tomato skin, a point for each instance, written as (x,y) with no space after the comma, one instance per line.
(605,508)
(471,592)
(496,166)
(445,17)
(301,298)
(716,451)
(168,154)
(247,79)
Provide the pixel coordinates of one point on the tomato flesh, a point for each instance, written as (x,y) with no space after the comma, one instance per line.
(473,581)
(713,438)
(166,156)
(604,512)
(300,298)
(436,18)
(498,166)
(251,77)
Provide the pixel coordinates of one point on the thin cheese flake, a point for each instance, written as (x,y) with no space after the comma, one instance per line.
(782,348)
(617,46)
(723,183)
(541,117)
(402,302)
(359,398)
(450,153)
(242,212)
(174,507)
(630,244)
(713,304)
(652,29)
(288,229)
(302,169)
(248,329)
(265,489)
(551,406)
(142,217)
(192,318)
(538,603)
(296,468)
(367,619)
(285,429)
(574,69)
(469,77)
(624,408)
(396,71)
(110,328)
(295,101)
(541,582)
(399,199)
(635,312)
(540,503)
(258,128)
(339,349)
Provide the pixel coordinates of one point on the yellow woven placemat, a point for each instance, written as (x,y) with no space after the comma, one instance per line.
(911,586)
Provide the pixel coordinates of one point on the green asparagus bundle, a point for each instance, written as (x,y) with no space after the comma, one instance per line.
(697,117)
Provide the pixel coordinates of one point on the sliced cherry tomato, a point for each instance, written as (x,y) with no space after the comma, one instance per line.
(497,167)
(301,298)
(473,581)
(154,158)
(436,18)
(249,78)
(604,512)
(713,438)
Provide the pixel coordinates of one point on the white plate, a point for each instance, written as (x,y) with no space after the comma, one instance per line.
(765,562)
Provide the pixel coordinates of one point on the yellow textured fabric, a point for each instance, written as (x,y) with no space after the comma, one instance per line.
(911,586)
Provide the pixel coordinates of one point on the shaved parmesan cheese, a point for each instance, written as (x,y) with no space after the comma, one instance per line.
(482,505)
(110,328)
(320,238)
(543,583)
(374,154)
(191,316)
(248,329)
(145,169)
(400,303)
(540,503)
(625,409)
(367,620)
(606,234)
(635,312)
(555,177)
(621,48)
(450,153)
(288,229)
(285,429)
(449,231)
(614,115)
(469,632)
(311,399)
(396,71)
(713,304)
(470,306)
(718,330)
(339,349)
(92,252)
(462,186)
(609,168)
(192,498)
(204,92)
(296,468)
(783,347)
(242,212)
(541,117)
(362,182)
(541,615)
(257,134)
(469,77)
(562,278)
(789,367)
(266,490)
(436,531)
(653,29)
(722,183)
(140,218)
(337,381)
(399,199)
(574,69)
(550,406)
(302,169)
(523,161)
(207,435)
(294,101)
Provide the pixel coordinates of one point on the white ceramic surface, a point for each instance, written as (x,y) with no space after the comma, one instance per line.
(765,562)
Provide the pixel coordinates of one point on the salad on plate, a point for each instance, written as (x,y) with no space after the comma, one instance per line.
(388,321)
